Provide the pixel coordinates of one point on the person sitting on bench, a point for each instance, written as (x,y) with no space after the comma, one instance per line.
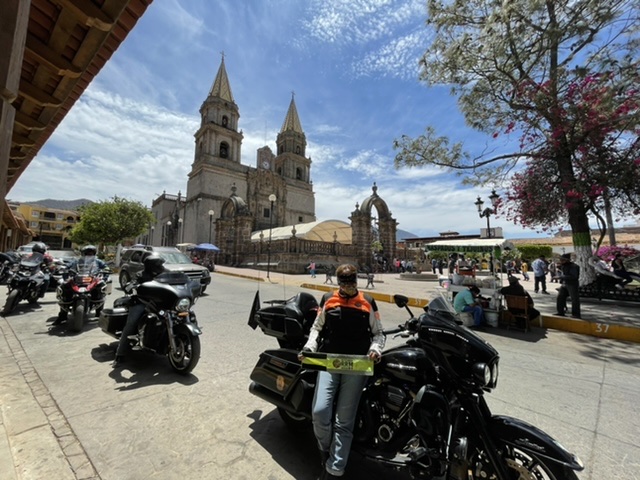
(514,288)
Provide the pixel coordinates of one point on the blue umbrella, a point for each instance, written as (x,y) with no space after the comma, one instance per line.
(206,246)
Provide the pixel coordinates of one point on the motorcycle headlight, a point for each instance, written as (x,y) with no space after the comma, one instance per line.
(483,373)
(183,305)
(494,374)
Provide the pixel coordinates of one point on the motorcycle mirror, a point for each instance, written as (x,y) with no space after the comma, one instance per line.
(400,300)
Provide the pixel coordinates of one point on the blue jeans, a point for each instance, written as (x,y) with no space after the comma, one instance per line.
(135,313)
(478,313)
(335,433)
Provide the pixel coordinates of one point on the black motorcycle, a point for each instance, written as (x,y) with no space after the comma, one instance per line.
(423,409)
(29,282)
(168,326)
(9,262)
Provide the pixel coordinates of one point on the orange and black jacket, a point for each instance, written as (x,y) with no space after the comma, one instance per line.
(346,325)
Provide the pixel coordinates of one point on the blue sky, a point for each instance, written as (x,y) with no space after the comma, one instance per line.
(353,65)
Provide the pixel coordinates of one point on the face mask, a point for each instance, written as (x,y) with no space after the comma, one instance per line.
(349,289)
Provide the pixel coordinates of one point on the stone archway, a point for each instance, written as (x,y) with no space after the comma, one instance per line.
(363,232)
(233,230)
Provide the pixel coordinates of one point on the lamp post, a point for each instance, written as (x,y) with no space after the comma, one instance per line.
(211,212)
(168,232)
(181,229)
(152,232)
(272,199)
(487,212)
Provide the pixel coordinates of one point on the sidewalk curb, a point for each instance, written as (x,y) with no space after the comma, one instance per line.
(584,327)
(587,327)
(39,440)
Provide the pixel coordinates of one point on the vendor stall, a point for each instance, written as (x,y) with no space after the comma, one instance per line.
(489,284)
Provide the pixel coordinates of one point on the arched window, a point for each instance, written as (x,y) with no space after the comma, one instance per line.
(224,150)
(298,173)
(298,149)
(225,120)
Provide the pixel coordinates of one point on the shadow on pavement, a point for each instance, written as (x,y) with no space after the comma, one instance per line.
(140,369)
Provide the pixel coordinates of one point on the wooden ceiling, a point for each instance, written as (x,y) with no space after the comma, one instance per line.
(68,42)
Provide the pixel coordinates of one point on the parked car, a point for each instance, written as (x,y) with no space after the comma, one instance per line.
(25,250)
(175,261)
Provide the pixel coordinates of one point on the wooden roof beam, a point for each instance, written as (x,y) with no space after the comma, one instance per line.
(88,14)
(37,96)
(21,140)
(27,122)
(50,58)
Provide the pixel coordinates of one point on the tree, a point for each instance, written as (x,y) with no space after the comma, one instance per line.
(511,65)
(110,222)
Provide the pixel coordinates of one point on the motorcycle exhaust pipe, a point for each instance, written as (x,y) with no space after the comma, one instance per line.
(273,398)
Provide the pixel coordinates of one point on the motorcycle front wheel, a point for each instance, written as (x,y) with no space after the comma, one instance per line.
(187,353)
(12,301)
(75,323)
(523,465)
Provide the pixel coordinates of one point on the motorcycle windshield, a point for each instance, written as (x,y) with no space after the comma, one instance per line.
(88,266)
(32,261)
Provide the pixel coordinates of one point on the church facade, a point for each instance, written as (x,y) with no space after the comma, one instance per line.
(226,201)
(237,194)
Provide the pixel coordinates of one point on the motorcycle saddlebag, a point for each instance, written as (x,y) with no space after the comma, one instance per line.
(277,371)
(112,320)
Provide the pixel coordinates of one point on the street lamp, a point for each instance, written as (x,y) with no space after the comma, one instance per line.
(181,229)
(211,212)
(487,212)
(272,199)
(168,232)
(152,232)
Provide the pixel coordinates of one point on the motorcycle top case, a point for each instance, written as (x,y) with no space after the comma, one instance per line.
(289,320)
(112,320)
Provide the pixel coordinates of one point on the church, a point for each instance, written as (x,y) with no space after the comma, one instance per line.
(226,201)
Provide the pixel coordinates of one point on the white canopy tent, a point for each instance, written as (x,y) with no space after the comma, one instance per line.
(320,231)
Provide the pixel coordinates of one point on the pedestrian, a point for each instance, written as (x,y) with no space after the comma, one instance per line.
(369,280)
(540,269)
(440,266)
(434,265)
(553,272)
(329,274)
(312,269)
(348,323)
(469,301)
(525,269)
(569,274)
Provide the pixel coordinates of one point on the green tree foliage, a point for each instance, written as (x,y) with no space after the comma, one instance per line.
(531,252)
(110,222)
(514,66)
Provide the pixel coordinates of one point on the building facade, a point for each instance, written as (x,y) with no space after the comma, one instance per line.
(225,200)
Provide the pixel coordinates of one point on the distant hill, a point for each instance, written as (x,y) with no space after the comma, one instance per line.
(61,204)
(402,234)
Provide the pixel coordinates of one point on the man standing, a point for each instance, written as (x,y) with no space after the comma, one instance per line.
(569,274)
(348,323)
(540,268)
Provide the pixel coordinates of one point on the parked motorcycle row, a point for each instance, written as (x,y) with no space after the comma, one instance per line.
(423,409)
(168,326)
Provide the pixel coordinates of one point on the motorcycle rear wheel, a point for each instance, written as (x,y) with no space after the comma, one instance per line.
(187,353)
(524,466)
(12,302)
(295,422)
(75,323)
